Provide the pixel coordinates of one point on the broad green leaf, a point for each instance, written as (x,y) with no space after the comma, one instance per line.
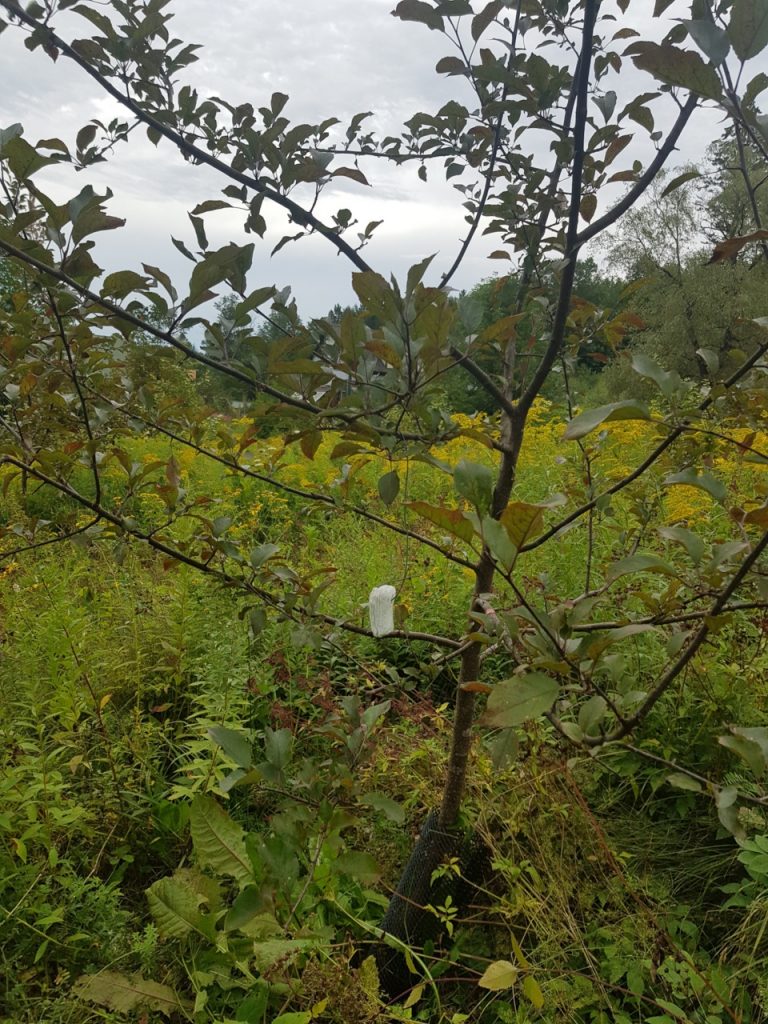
(591,714)
(682,781)
(449,519)
(482,20)
(376,295)
(504,747)
(128,994)
(358,865)
(679,180)
(673,66)
(389,808)
(606,104)
(532,992)
(23,159)
(499,542)
(728,811)
(709,38)
(667,382)
(250,903)
(122,283)
(389,487)
(704,481)
(219,842)
(587,421)
(751,748)
(176,909)
(417,10)
(234,743)
(514,701)
(499,976)
(692,542)
(748,27)
(639,563)
(474,481)
(262,554)
(278,747)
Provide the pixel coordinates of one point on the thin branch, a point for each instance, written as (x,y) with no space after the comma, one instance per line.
(479,212)
(59,539)
(674,670)
(572,243)
(315,496)
(483,379)
(206,567)
(668,620)
(298,213)
(746,798)
(646,179)
(653,457)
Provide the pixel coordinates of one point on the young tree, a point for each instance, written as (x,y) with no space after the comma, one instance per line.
(551,69)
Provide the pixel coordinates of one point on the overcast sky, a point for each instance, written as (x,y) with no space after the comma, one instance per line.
(333,58)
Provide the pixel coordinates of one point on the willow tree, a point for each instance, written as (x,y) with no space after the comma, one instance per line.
(539,161)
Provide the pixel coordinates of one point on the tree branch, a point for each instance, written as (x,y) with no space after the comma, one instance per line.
(298,213)
(701,634)
(447,276)
(646,179)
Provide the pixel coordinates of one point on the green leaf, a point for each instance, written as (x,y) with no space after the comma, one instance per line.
(751,745)
(451,66)
(709,38)
(262,554)
(376,295)
(673,66)
(692,543)
(176,909)
(704,481)
(23,159)
(125,995)
(249,904)
(234,743)
(514,701)
(499,976)
(639,563)
(417,10)
(474,482)
(499,542)
(606,104)
(389,808)
(748,27)
(504,748)
(587,421)
(667,382)
(122,283)
(389,487)
(278,747)
(449,519)
(218,841)
(681,179)
(533,993)
(482,20)
(358,865)
(682,781)
(591,714)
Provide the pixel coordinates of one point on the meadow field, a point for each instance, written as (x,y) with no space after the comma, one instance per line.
(140,698)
